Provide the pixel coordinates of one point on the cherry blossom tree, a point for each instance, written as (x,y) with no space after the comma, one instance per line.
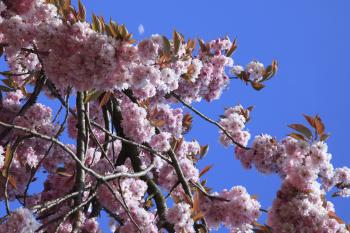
(128,106)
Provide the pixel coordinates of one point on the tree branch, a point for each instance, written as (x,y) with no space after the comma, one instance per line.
(81,150)
(209,120)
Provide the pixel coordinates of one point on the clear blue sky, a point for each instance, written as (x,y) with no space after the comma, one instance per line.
(310,39)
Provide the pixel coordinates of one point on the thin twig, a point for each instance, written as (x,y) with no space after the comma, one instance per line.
(140,146)
(38,209)
(210,121)
(75,158)
(77,208)
(205,193)
(122,204)
(58,133)
(126,206)
(104,153)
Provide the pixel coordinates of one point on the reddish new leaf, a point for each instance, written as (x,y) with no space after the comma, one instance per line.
(205,170)
(301,129)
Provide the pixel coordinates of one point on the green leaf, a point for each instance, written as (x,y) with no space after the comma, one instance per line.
(301,129)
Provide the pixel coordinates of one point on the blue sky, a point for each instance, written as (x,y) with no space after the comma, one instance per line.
(310,39)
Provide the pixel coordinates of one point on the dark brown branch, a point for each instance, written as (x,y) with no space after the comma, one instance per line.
(38,209)
(81,150)
(30,102)
(131,151)
(76,209)
(74,157)
(122,204)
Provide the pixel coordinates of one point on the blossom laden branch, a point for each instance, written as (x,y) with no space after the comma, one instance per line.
(75,158)
(210,121)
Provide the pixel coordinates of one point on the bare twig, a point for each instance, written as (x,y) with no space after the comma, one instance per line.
(123,205)
(130,142)
(77,208)
(58,133)
(6,73)
(205,193)
(38,209)
(75,158)
(104,153)
(210,121)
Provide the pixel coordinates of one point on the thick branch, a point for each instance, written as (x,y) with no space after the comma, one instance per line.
(131,151)
(81,149)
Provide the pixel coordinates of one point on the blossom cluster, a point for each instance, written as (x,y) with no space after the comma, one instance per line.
(295,211)
(180,216)
(135,123)
(21,221)
(40,40)
(233,208)
(128,195)
(166,174)
(255,70)
(300,204)
(233,121)
(73,54)
(38,117)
